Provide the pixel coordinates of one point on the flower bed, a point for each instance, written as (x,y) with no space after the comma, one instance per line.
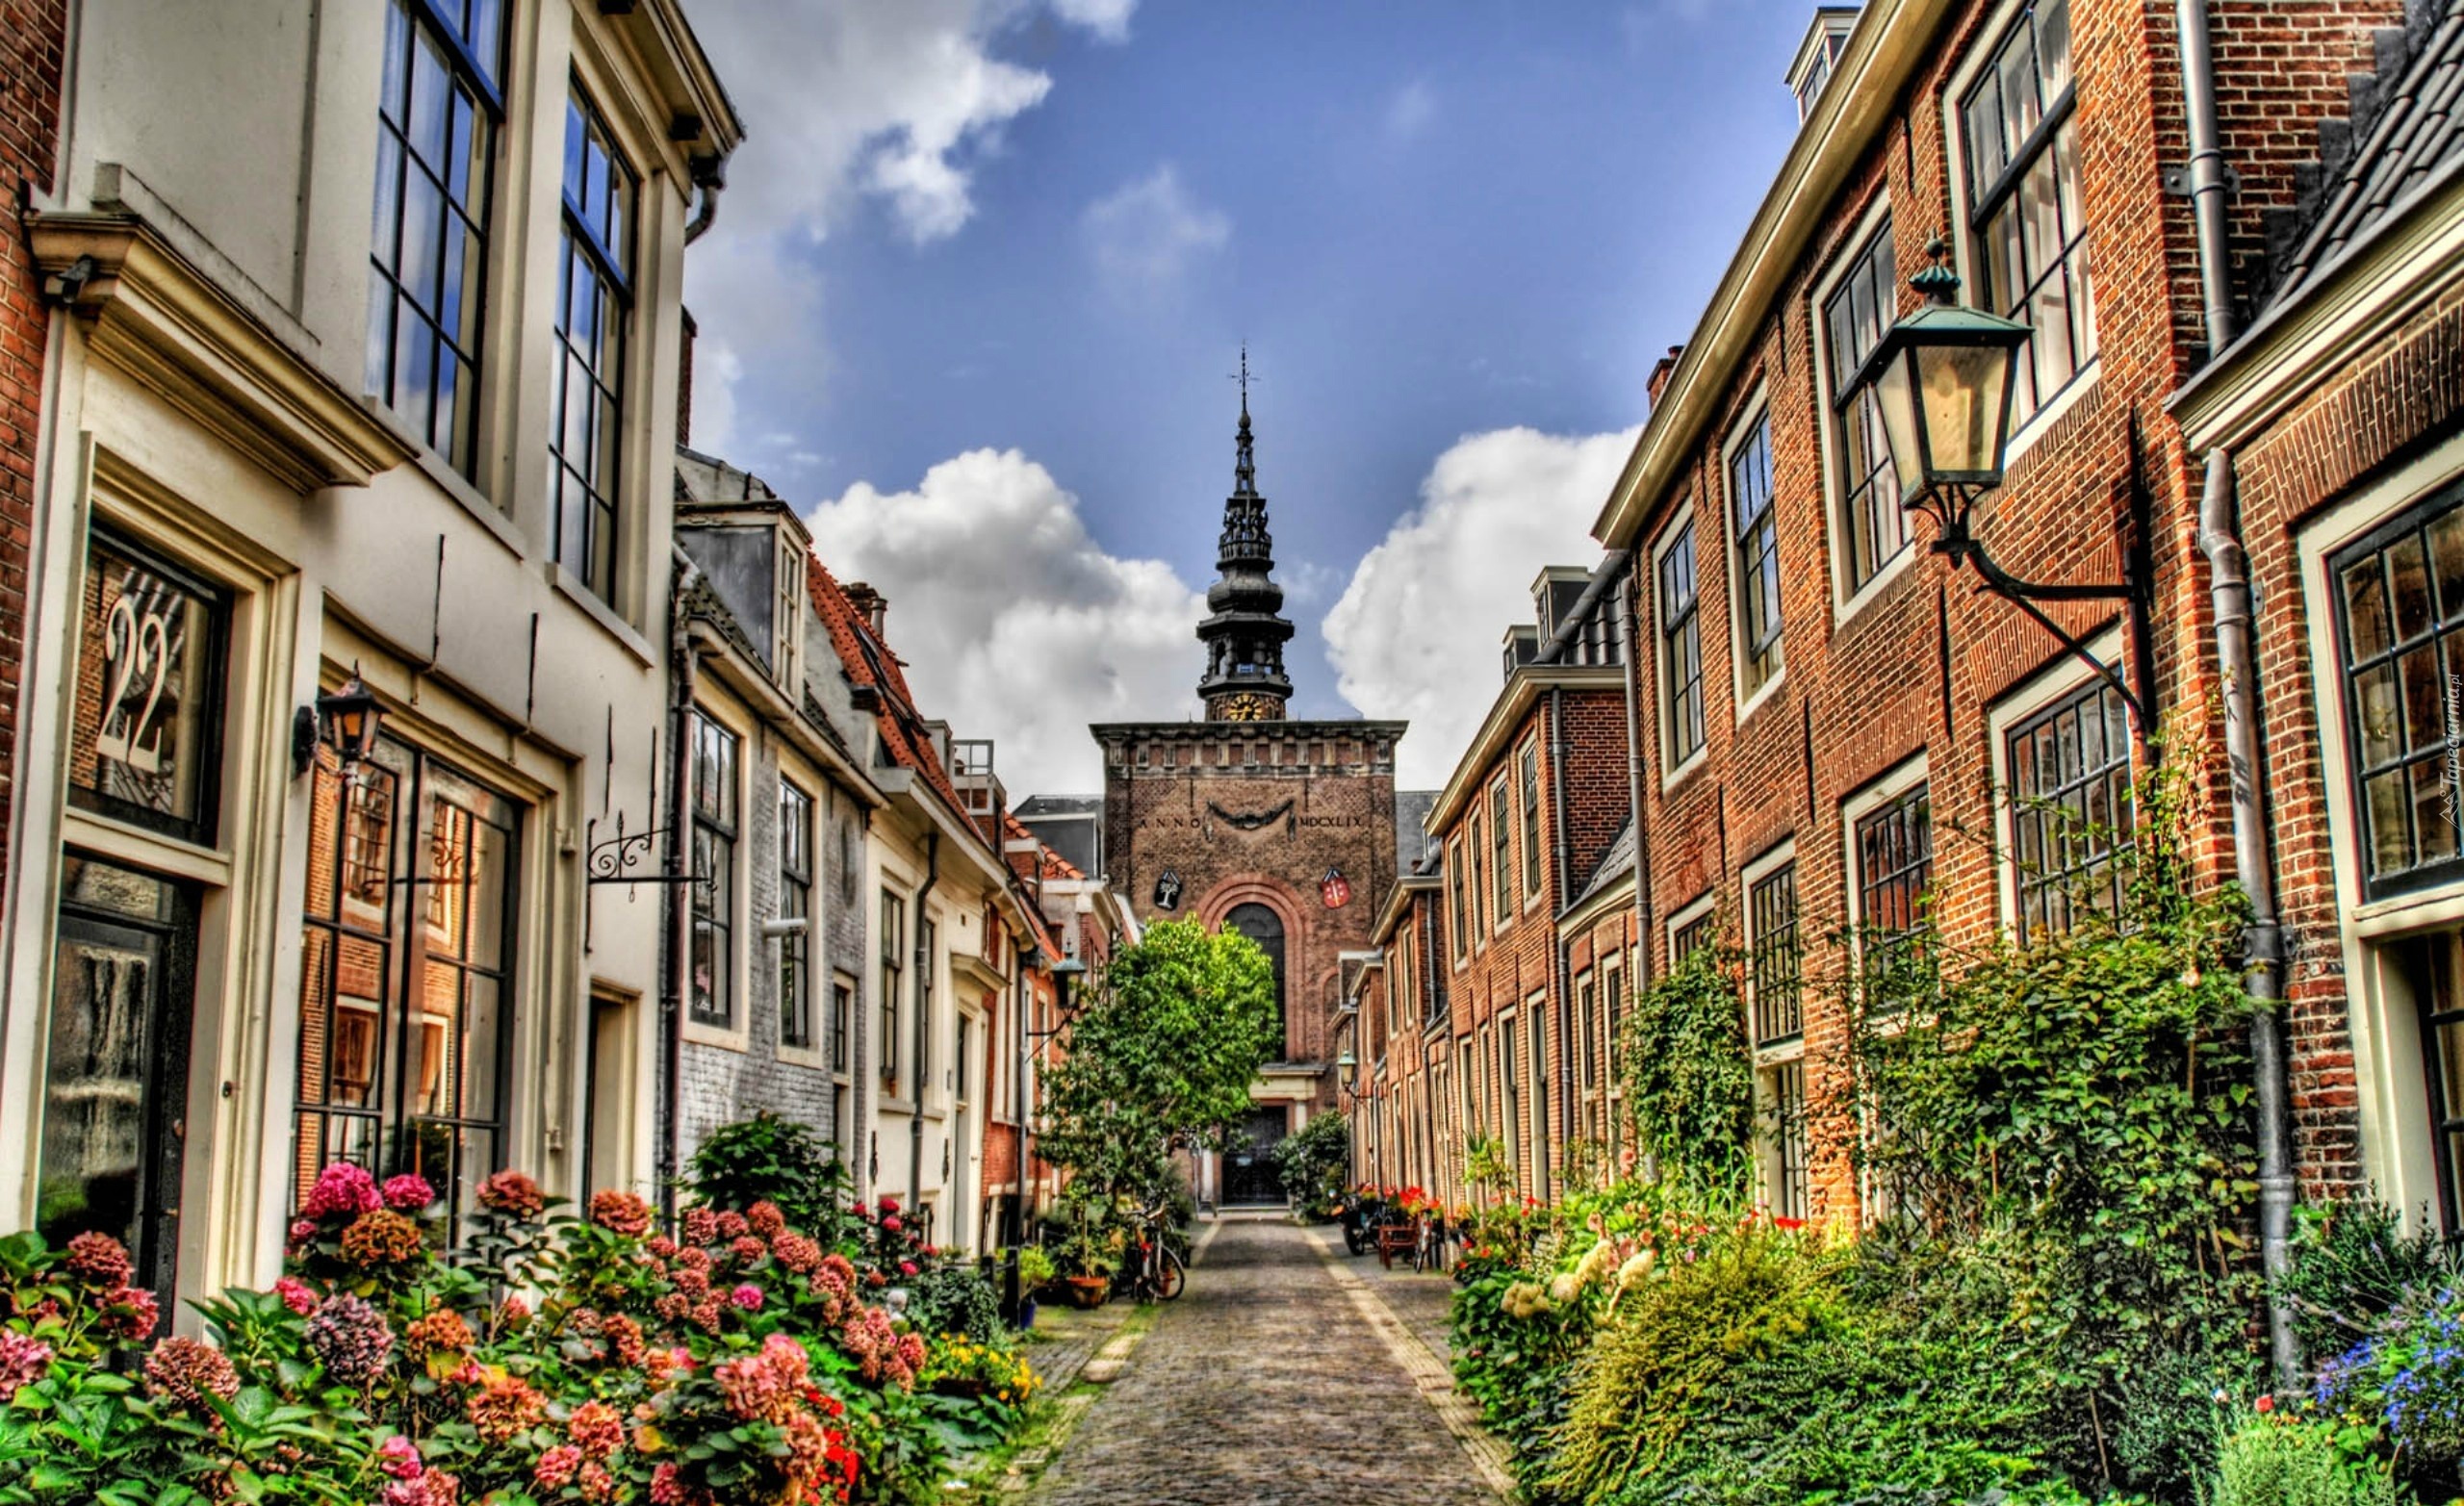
(545,1357)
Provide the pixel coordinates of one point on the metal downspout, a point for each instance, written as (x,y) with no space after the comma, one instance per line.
(1563,989)
(682,673)
(2229,593)
(923,1032)
(1640,975)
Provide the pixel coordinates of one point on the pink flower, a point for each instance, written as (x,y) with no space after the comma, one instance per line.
(765,1219)
(620,1213)
(556,1466)
(296,1295)
(399,1456)
(666,1489)
(407,1194)
(2265,1405)
(907,1268)
(749,1249)
(889,1204)
(732,1225)
(130,1313)
(343,1187)
(889,1222)
(596,1428)
(512,1195)
(701,1226)
(747,1296)
(23,1360)
(303,1231)
(860,1211)
(99,1259)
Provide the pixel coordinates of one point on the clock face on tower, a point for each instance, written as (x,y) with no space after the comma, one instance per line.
(1250,707)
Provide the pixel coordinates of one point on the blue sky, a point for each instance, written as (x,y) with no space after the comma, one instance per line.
(1042,230)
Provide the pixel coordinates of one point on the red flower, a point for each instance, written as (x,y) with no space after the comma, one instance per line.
(2265,1404)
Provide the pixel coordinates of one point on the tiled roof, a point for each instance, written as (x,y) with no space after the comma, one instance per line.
(871,666)
(2404,132)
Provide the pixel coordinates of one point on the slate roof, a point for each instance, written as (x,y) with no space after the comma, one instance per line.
(1617,864)
(1411,822)
(2404,132)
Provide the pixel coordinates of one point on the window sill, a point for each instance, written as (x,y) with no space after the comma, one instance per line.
(2042,421)
(890,1103)
(1780,1053)
(1864,596)
(1685,769)
(452,483)
(811,1058)
(1761,696)
(600,612)
(702,1033)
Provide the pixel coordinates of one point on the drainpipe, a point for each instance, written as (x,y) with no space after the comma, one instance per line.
(1640,973)
(710,176)
(682,672)
(2246,757)
(1564,989)
(923,1026)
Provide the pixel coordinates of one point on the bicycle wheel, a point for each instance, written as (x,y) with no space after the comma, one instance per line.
(1169,1277)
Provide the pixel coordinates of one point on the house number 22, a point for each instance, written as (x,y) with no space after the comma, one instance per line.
(137,660)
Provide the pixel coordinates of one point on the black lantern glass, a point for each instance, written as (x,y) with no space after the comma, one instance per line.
(351,718)
(1941,378)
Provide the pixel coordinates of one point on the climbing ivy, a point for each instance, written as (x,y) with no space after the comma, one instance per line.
(1689,1077)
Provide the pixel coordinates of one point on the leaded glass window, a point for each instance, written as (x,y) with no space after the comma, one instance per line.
(1757,529)
(1859,310)
(715,881)
(1894,868)
(2070,808)
(1681,654)
(2399,600)
(1776,960)
(594,305)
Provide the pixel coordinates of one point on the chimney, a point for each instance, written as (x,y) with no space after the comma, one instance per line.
(1661,373)
(684,382)
(868,604)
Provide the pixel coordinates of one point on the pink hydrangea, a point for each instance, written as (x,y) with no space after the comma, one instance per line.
(399,1456)
(667,1487)
(99,1259)
(732,1225)
(597,1429)
(343,1187)
(130,1313)
(765,1219)
(296,1295)
(701,1226)
(23,1360)
(512,1195)
(407,1194)
(557,1467)
(747,1296)
(748,1249)
(796,1252)
(620,1213)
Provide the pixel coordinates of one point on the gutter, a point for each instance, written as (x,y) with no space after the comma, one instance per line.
(1640,975)
(683,662)
(1558,962)
(923,1029)
(2246,755)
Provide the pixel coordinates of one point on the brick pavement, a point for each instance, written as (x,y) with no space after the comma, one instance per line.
(1279,1377)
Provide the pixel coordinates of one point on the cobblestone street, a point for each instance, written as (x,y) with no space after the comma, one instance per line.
(1287,1372)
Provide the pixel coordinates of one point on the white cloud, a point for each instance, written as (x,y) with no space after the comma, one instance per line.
(1411,110)
(1014,622)
(1417,633)
(1145,234)
(845,101)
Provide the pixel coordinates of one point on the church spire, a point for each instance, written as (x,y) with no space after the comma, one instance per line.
(1245,630)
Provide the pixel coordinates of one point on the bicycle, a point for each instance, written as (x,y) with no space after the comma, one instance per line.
(1428,1249)
(1153,1270)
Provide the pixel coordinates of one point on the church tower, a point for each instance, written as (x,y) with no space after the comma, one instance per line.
(1245,630)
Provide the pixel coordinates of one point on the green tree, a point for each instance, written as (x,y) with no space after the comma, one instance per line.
(1162,1059)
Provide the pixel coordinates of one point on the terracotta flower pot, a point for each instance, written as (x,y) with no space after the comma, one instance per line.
(1089,1291)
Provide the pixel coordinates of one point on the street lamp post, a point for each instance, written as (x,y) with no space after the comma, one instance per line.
(1942,379)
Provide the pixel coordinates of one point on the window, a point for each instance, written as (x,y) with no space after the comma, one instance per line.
(1501,854)
(593,303)
(1895,866)
(714,832)
(2070,811)
(147,738)
(788,658)
(1587,1007)
(1472,847)
(1265,927)
(1775,964)
(428,242)
(1690,936)
(1863,306)
(1531,820)
(2399,600)
(894,981)
(2022,147)
(2432,966)
(1456,921)
(1436,976)
(1784,1097)
(405,1024)
(795,902)
(1509,1098)
(1681,650)
(842,1016)
(1757,529)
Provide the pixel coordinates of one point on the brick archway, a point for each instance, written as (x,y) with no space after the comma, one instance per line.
(1283,901)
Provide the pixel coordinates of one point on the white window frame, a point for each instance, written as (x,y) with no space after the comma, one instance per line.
(1533,817)
(1684,915)
(2390,1080)
(1989,39)
(793,770)
(1847,600)
(1750,875)
(1510,877)
(1459,911)
(1663,701)
(1757,414)
(1904,776)
(2058,680)
(737,1033)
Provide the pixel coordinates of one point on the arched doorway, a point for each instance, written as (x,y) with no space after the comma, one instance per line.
(1249,1175)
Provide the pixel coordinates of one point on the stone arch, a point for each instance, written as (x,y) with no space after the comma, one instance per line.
(1279,900)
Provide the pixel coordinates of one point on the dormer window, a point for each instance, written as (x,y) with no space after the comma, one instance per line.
(1825,41)
(787,621)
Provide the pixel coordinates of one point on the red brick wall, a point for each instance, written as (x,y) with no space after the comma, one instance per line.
(32,36)
(1917,669)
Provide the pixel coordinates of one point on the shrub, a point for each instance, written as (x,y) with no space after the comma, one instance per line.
(2288,1462)
(768,1158)
(2352,1264)
(955,1299)
(1689,1076)
(1312,1162)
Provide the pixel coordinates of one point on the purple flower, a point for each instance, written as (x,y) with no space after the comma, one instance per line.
(351,1338)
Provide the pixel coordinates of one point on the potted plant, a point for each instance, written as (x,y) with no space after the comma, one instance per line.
(1092,1266)
(1035,1273)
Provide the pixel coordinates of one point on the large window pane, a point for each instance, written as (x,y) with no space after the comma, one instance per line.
(2398,627)
(593,310)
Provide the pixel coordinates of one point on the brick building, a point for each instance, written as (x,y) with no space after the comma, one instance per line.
(1839,735)
(33,37)
(2333,425)
(1282,829)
